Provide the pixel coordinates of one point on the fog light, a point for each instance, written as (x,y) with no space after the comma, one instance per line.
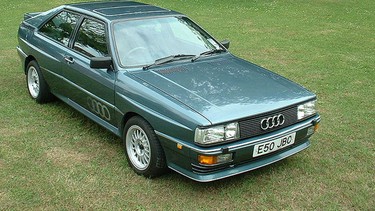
(310,130)
(214,159)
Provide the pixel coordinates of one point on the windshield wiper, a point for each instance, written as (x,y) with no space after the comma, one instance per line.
(207,53)
(167,59)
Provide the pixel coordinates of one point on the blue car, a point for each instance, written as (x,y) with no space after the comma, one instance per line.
(176,96)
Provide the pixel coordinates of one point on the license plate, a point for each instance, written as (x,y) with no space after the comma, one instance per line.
(274,145)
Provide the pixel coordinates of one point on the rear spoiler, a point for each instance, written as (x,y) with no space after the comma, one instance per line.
(30,15)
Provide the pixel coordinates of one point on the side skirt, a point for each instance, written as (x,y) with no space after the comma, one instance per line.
(90,115)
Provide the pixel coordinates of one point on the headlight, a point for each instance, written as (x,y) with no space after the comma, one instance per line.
(217,134)
(306,109)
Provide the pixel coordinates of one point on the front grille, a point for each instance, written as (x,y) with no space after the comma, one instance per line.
(251,127)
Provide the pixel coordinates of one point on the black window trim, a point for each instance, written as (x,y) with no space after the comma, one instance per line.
(74,33)
(76,30)
(53,16)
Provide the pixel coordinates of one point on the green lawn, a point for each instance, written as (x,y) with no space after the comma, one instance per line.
(52,157)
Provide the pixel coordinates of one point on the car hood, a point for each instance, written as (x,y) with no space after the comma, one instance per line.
(225,88)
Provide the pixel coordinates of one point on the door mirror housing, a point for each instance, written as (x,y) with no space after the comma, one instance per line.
(225,43)
(101,62)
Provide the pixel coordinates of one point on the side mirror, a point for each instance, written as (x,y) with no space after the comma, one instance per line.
(101,62)
(225,43)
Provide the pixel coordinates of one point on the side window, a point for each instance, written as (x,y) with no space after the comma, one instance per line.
(60,27)
(91,39)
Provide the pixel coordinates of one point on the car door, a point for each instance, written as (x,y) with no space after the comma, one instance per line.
(53,40)
(92,89)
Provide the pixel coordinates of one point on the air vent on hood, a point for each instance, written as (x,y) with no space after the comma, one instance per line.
(171,70)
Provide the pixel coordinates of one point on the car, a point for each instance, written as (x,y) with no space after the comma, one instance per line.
(174,95)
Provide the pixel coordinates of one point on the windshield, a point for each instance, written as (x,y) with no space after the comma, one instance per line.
(141,42)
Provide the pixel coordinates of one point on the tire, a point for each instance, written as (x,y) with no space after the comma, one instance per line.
(36,85)
(142,148)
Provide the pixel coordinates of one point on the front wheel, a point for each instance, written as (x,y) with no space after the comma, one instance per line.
(143,150)
(36,85)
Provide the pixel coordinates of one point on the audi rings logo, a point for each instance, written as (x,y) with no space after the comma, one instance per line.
(272,122)
(98,108)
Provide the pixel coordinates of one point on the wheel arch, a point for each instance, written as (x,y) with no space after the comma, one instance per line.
(125,119)
(27,61)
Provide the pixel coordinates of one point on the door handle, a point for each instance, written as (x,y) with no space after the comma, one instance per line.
(69,59)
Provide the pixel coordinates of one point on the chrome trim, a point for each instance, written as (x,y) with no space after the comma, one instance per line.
(218,149)
(20,51)
(272,137)
(272,122)
(188,145)
(317,118)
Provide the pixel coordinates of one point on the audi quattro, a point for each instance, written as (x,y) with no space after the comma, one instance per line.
(175,96)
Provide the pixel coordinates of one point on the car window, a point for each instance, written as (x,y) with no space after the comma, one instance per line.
(60,27)
(91,39)
(142,41)
(183,27)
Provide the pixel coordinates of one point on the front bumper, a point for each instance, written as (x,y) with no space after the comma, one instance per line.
(184,160)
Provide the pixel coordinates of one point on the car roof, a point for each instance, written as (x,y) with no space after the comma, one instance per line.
(115,10)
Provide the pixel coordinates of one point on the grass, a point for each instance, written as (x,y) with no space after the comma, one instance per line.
(52,157)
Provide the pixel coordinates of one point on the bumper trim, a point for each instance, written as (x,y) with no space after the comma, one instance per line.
(20,52)
(240,168)
(244,143)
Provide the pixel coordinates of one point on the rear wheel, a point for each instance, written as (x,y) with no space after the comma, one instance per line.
(37,86)
(142,147)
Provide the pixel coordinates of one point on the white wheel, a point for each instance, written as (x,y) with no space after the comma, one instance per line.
(143,150)
(138,147)
(36,85)
(33,82)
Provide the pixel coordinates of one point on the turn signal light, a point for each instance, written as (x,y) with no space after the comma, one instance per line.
(214,159)
(179,146)
(207,159)
(316,127)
